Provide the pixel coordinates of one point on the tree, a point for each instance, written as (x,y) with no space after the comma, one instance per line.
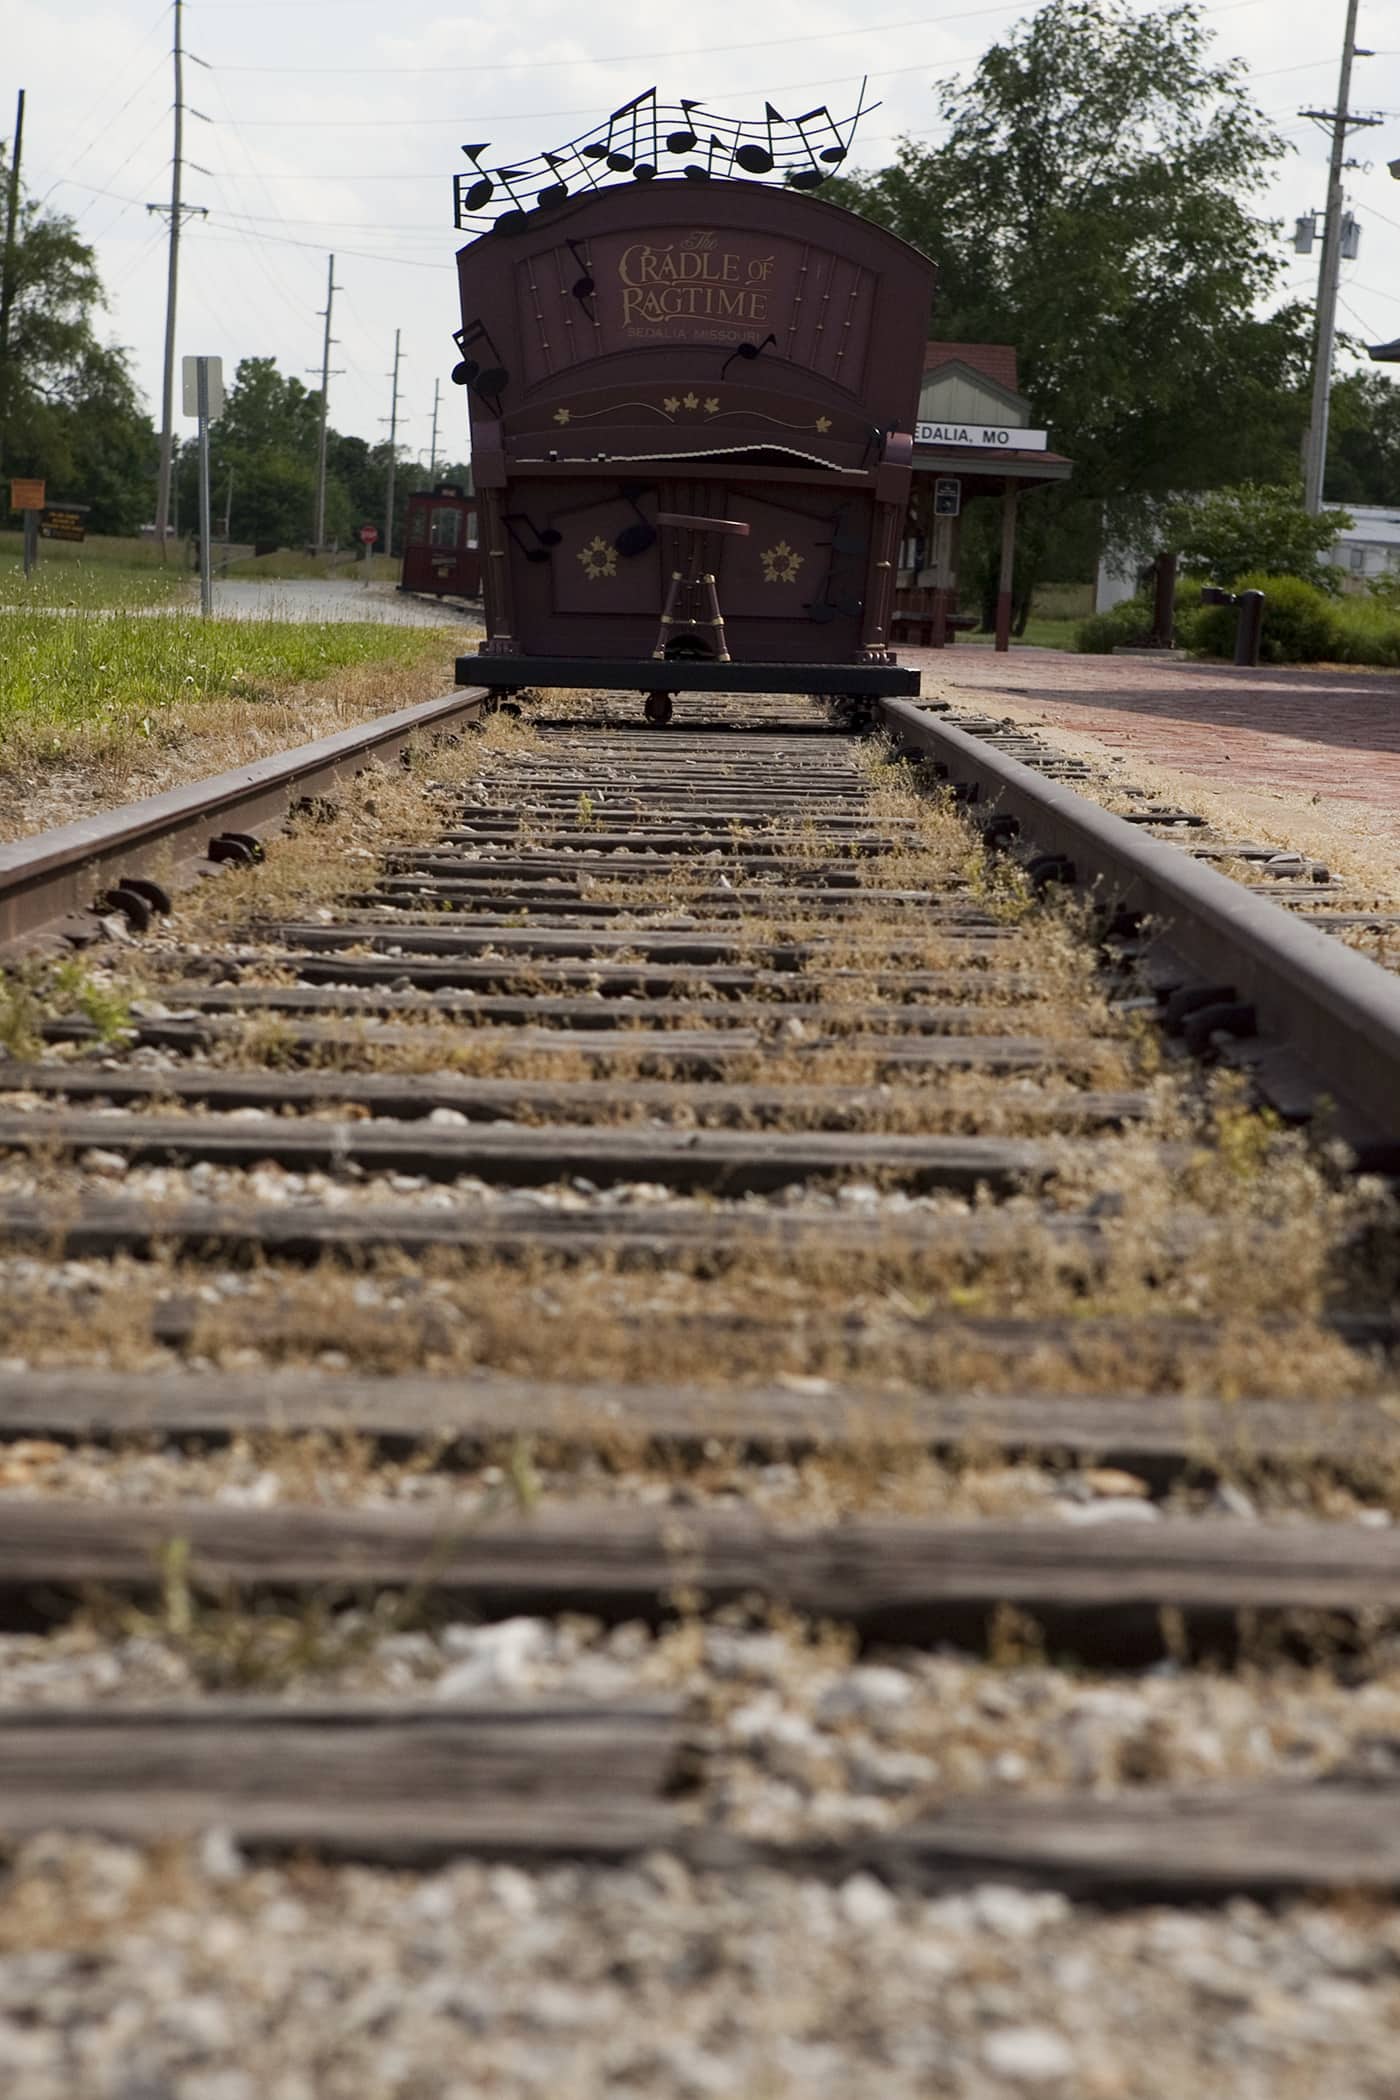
(1363,439)
(1228,533)
(1090,203)
(69,409)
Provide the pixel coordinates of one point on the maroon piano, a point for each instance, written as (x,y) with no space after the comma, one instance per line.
(691,404)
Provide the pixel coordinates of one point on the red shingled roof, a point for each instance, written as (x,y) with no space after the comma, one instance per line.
(995,361)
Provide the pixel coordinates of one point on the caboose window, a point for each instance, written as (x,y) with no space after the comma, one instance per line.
(418,527)
(445,527)
(471,528)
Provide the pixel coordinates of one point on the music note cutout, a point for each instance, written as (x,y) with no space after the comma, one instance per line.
(583,286)
(491,380)
(633,115)
(683,141)
(555,193)
(693,172)
(546,538)
(748,351)
(634,539)
(758,160)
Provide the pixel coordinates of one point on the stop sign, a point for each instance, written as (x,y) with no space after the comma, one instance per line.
(369,534)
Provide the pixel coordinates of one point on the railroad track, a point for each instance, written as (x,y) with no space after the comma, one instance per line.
(629,1295)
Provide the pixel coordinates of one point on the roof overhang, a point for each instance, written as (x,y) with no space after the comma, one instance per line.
(973,463)
(1384,353)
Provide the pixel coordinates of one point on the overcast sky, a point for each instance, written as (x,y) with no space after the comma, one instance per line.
(335,124)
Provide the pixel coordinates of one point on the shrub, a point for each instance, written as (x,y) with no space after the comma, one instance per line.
(1127,625)
(1301,624)
(1225,532)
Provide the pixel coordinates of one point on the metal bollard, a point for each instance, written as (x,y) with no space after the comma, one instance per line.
(1249,624)
(1249,620)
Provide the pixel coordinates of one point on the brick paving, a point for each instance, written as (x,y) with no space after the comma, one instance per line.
(1312,734)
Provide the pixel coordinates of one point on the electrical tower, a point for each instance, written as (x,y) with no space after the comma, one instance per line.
(7,268)
(177,212)
(319,534)
(392,419)
(1341,121)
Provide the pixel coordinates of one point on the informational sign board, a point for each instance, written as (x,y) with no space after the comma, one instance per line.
(947,497)
(189,378)
(26,495)
(987,437)
(369,534)
(63,521)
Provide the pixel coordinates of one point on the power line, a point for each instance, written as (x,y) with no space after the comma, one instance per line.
(624,58)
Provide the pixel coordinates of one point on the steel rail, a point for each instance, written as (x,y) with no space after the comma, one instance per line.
(52,875)
(1338,1012)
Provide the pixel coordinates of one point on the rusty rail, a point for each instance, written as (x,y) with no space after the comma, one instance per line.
(61,875)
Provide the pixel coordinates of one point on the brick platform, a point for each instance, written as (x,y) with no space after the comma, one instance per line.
(1322,735)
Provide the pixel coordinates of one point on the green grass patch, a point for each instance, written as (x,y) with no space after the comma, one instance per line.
(89,575)
(62,670)
(345,566)
(1041,633)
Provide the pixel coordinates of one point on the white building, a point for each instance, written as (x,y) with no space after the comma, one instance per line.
(1371,544)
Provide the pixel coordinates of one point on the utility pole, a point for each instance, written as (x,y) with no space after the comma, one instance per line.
(393,421)
(7,270)
(1341,121)
(331,289)
(177,213)
(432,450)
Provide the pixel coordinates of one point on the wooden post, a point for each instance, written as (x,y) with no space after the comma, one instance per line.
(1008,565)
(1164,602)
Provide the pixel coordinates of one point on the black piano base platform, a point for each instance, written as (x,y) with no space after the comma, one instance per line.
(511,674)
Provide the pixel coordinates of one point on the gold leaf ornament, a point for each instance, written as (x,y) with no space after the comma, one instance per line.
(598,559)
(781,563)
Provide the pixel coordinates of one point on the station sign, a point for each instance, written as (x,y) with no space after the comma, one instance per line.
(26,495)
(985,437)
(214,382)
(64,521)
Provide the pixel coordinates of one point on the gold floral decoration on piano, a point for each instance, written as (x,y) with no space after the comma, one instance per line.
(562,415)
(781,563)
(598,559)
(674,404)
(823,424)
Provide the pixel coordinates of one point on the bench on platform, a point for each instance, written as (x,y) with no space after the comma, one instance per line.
(918,628)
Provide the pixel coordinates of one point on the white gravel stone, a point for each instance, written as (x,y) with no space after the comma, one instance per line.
(865,1902)
(500,1658)
(1028,2055)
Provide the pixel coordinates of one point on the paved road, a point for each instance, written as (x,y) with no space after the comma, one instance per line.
(308,598)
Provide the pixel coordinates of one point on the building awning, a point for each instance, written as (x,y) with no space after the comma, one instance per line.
(974,463)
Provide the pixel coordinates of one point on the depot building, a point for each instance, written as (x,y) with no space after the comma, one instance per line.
(975,434)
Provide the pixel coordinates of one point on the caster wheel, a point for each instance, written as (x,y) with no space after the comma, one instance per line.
(658,709)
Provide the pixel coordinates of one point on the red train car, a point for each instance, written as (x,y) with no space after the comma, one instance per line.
(442,546)
(690,408)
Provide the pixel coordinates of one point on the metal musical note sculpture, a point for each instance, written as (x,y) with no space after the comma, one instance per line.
(687,379)
(633,144)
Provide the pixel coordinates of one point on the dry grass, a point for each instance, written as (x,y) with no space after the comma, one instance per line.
(100,764)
